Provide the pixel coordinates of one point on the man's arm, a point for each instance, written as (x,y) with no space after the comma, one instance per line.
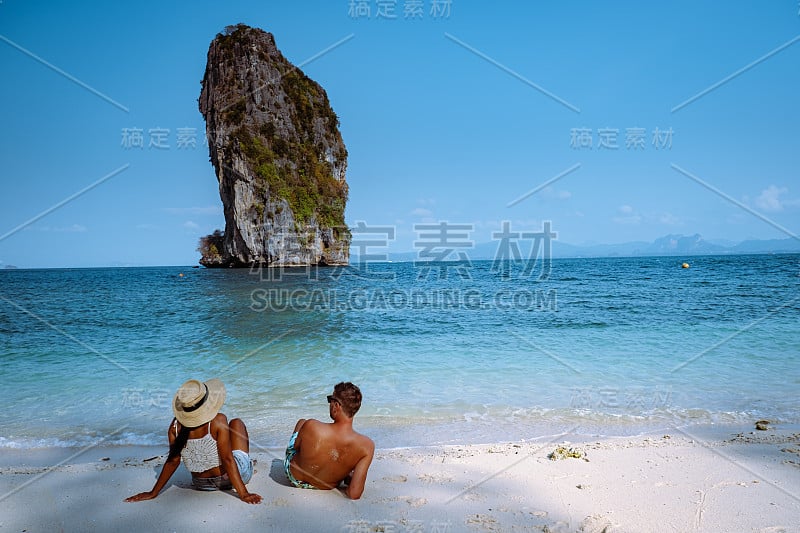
(359,477)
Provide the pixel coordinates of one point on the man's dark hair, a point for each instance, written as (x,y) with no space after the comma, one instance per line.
(349,397)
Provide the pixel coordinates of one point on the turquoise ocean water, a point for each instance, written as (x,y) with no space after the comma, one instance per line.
(449,354)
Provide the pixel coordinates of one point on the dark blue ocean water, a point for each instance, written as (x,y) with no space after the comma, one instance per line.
(453,353)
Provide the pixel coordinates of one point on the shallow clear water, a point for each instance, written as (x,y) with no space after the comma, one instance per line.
(466,354)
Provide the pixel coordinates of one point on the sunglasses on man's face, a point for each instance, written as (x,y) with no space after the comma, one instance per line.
(332,398)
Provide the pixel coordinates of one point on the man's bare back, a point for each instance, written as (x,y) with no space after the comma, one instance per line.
(324,455)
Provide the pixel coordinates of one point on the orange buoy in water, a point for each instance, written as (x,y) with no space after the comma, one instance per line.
(181,274)
(685,265)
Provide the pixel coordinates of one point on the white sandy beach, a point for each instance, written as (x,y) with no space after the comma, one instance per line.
(710,480)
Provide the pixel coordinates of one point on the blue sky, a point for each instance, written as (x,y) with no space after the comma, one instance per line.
(448,116)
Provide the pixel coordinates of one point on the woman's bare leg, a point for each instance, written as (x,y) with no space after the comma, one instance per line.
(239,438)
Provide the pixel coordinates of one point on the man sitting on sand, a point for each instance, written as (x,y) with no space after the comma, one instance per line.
(326,455)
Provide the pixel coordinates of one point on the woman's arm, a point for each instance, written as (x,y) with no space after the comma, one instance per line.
(223,438)
(166,473)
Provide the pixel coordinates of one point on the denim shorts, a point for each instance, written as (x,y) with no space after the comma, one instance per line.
(223,482)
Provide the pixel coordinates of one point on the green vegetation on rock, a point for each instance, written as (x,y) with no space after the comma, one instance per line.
(210,247)
(280,159)
(292,167)
(310,189)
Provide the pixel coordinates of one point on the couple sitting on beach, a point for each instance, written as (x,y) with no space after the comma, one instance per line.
(216,451)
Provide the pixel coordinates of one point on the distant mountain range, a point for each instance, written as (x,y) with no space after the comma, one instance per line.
(678,245)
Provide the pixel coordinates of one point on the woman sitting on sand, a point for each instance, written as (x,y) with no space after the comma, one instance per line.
(215,451)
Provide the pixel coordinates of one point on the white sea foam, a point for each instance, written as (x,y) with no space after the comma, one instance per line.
(621,353)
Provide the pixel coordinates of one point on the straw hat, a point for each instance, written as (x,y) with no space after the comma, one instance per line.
(197,403)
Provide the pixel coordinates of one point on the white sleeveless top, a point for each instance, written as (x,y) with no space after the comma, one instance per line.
(200,454)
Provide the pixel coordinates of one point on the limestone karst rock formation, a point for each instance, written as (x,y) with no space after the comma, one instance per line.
(280,160)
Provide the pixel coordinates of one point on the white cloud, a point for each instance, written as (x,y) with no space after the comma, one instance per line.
(197,211)
(669,219)
(493,226)
(627,215)
(633,220)
(770,198)
(190,225)
(550,192)
(422,212)
(73,228)
(525,224)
